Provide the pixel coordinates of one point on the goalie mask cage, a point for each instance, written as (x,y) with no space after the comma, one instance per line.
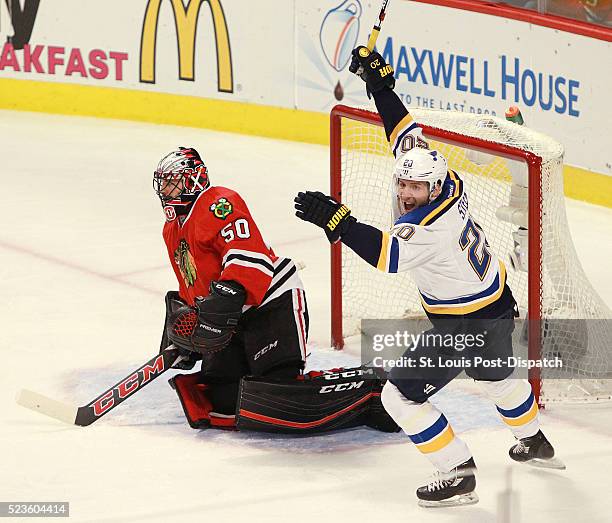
(514,178)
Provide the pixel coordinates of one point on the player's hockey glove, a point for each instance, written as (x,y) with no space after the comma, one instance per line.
(372,69)
(218,315)
(189,358)
(325,212)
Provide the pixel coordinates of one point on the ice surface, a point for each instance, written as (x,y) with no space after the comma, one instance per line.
(83,273)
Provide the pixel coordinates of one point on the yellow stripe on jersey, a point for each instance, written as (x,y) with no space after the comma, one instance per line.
(446,204)
(384,253)
(470,307)
(403,124)
(445,437)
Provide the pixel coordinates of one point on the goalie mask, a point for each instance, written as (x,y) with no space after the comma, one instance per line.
(179,179)
(417,165)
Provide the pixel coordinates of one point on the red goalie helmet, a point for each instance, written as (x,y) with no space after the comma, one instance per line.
(180,176)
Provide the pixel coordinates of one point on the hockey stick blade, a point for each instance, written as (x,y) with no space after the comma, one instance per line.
(47,406)
(105,402)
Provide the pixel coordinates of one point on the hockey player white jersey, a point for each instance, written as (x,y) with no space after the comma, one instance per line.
(441,245)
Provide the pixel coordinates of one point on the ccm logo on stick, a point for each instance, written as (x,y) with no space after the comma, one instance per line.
(128,386)
(339,387)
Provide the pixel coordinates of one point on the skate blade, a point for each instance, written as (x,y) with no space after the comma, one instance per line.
(456,501)
(552,463)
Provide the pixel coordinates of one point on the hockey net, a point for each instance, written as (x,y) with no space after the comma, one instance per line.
(514,178)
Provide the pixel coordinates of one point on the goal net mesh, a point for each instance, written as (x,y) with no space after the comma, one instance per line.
(565,293)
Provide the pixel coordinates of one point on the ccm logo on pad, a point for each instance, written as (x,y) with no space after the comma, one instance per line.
(339,387)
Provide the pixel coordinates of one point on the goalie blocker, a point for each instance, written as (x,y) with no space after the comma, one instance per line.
(318,401)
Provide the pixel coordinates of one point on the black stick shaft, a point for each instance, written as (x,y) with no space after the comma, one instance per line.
(127,387)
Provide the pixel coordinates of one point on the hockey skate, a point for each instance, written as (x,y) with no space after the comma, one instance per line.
(536,451)
(449,489)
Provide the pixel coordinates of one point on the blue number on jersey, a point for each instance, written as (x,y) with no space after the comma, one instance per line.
(480,264)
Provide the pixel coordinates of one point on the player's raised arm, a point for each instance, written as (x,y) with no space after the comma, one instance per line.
(406,247)
(402,131)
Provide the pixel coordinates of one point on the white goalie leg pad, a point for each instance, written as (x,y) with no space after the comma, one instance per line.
(516,405)
(428,429)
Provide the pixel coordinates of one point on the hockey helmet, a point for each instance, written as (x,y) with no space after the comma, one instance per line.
(418,165)
(180,176)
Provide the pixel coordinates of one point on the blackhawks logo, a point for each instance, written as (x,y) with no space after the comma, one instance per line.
(186,264)
(222,208)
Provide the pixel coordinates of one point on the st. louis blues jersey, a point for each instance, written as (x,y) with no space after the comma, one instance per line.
(440,244)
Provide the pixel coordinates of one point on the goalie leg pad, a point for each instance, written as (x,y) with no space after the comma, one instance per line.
(196,401)
(319,402)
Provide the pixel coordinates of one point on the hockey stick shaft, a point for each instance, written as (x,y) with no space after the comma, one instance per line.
(376,29)
(108,400)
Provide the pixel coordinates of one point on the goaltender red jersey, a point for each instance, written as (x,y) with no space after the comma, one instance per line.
(219,240)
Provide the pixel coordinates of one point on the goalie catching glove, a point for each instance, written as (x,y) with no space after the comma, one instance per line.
(208,327)
(372,69)
(325,212)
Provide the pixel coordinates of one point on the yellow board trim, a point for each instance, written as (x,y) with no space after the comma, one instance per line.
(384,249)
(405,122)
(445,437)
(162,108)
(587,186)
(523,419)
(220,115)
(466,309)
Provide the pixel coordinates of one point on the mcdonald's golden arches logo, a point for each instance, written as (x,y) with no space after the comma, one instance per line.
(186,22)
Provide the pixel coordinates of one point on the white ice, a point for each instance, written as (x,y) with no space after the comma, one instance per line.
(83,273)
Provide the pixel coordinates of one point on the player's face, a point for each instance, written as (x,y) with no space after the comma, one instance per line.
(412,194)
(171,187)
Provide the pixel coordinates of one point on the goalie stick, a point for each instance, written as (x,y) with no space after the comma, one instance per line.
(110,398)
(105,402)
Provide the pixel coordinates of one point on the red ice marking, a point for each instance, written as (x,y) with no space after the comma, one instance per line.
(76,267)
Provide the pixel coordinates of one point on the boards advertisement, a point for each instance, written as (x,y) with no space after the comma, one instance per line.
(295,55)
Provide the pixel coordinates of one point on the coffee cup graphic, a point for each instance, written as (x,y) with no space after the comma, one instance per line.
(339,33)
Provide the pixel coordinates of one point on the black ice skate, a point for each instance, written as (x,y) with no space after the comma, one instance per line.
(449,489)
(536,451)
